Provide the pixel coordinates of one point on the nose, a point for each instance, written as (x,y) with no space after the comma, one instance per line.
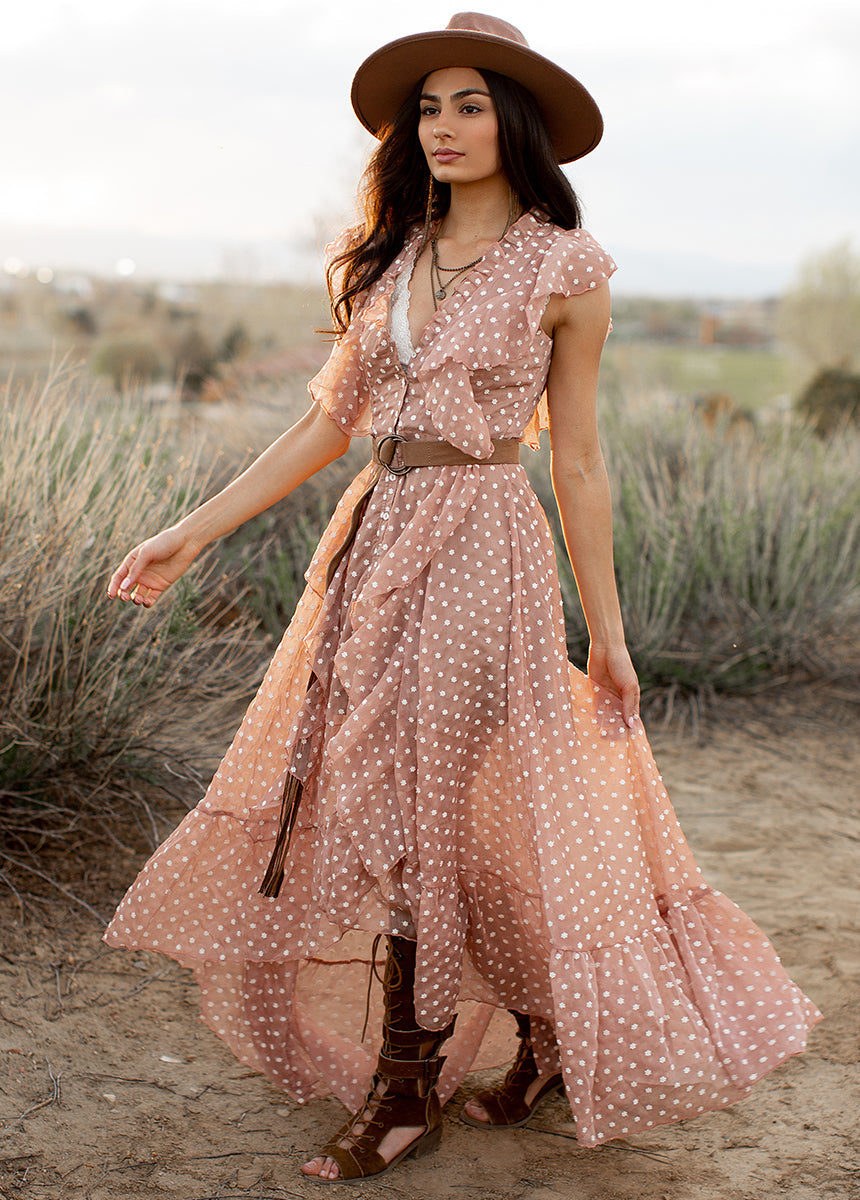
(440,129)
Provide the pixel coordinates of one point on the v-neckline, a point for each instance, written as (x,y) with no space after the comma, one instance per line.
(457,293)
(409,273)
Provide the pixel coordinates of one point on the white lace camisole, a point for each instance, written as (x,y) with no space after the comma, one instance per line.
(400,317)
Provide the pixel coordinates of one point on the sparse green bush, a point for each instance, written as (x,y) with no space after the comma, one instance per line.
(820,316)
(128,359)
(100,704)
(193,359)
(235,343)
(79,320)
(831,400)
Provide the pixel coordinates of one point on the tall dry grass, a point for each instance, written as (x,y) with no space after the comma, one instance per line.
(261,565)
(737,550)
(102,707)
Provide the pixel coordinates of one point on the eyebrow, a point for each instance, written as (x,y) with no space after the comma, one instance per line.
(456,95)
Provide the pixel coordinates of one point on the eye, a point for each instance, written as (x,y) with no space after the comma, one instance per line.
(428,110)
(471,107)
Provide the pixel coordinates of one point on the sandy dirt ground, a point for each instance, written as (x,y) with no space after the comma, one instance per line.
(113,1088)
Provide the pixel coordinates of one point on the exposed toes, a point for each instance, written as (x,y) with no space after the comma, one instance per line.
(323,1168)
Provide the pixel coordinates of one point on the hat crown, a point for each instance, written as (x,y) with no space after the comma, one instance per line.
(483,23)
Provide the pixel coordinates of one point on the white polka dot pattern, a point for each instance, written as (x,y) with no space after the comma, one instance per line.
(463,783)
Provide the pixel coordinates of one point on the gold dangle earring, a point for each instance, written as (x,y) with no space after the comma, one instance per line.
(428,215)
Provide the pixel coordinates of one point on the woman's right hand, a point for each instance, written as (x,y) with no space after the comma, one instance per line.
(150,568)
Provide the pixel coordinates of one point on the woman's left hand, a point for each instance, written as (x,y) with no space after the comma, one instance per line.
(611,668)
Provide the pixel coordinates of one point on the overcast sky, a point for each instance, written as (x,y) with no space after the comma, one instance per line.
(192,135)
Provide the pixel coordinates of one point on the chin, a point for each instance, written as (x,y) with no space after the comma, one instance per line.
(457,174)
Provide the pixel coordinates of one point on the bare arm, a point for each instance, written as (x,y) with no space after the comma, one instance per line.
(305,448)
(578,327)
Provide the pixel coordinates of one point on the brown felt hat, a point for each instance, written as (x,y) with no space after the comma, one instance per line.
(384,80)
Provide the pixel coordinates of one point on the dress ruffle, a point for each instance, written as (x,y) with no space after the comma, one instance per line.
(450,355)
(340,386)
(574,264)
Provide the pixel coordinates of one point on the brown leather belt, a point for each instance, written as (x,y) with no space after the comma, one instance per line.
(415,454)
(437,454)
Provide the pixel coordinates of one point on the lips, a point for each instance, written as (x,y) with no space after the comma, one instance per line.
(446,156)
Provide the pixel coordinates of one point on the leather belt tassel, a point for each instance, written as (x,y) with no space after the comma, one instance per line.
(290,799)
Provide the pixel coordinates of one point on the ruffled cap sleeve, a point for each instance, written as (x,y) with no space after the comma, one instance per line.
(340,387)
(574,263)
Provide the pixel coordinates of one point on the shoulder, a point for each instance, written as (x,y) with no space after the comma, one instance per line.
(588,314)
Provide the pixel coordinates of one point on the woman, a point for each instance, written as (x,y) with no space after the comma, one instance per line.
(421,761)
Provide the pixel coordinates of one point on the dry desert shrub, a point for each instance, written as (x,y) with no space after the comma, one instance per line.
(101,705)
(737,551)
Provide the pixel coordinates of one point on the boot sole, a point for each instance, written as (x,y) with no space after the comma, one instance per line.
(495,1126)
(425,1144)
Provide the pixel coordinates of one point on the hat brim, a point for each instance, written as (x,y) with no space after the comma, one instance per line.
(384,80)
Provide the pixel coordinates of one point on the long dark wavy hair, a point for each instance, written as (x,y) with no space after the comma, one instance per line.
(395,186)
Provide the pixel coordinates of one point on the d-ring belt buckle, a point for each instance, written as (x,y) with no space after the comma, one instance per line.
(394,438)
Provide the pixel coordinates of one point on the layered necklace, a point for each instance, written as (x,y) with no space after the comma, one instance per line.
(442,287)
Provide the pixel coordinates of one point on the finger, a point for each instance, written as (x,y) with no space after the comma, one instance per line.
(138,561)
(119,577)
(124,578)
(145,596)
(630,706)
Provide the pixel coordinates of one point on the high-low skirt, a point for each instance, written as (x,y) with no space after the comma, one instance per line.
(465,785)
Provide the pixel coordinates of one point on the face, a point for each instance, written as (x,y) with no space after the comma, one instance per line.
(458,128)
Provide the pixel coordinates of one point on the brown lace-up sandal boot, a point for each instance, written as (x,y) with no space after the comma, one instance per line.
(403,1094)
(506,1105)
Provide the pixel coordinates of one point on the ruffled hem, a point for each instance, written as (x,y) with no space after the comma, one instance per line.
(655,1029)
(675,1023)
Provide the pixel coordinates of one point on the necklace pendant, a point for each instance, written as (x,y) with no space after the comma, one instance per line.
(441,294)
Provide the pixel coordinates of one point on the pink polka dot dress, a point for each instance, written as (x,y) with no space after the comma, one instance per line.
(463,783)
